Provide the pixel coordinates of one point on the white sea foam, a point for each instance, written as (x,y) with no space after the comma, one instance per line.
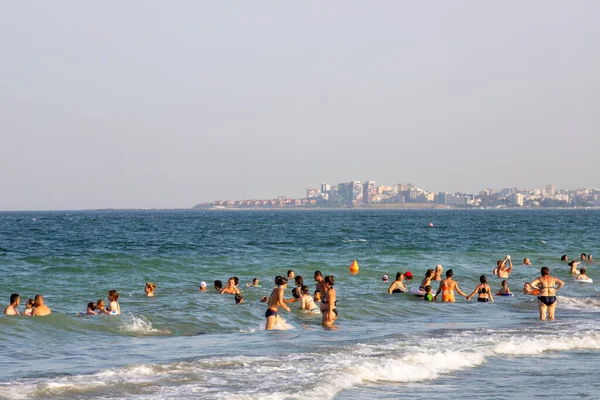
(139,325)
(322,374)
(355,241)
(585,304)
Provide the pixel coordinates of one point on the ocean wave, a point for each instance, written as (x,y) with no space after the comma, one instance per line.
(130,324)
(323,373)
(355,240)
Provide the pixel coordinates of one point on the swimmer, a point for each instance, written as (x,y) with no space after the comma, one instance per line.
(231,288)
(505,291)
(15,300)
(306,301)
(113,302)
(297,291)
(385,278)
(484,293)
(39,309)
(101,307)
(275,301)
(397,286)
(527,289)
(447,288)
(28,307)
(91,309)
(291,274)
(317,296)
(547,285)
(590,259)
(501,271)
(329,303)
(263,299)
(428,296)
(239,298)
(427,280)
(437,273)
(573,265)
(526,261)
(564,258)
(582,275)
(149,289)
(254,283)
(583,257)
(320,284)
(218,285)
(202,286)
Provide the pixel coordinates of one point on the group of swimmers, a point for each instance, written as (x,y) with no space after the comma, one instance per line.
(36,308)
(544,287)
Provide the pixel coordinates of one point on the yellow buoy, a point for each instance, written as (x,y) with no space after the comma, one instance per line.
(354,268)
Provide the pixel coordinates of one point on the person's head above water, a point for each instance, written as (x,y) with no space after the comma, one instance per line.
(526,261)
(449,273)
(218,284)
(583,256)
(385,278)
(545,271)
(564,258)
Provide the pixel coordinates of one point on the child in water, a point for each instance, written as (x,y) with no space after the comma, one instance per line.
(582,275)
(28,307)
(307,302)
(101,307)
(91,308)
(317,296)
(149,289)
(505,291)
(428,296)
(113,306)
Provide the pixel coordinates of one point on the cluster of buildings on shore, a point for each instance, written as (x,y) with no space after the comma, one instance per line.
(369,194)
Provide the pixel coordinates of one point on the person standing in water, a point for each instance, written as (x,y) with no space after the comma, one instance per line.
(39,308)
(437,274)
(547,285)
(484,294)
(397,286)
(15,299)
(501,271)
(447,288)
(329,303)
(276,301)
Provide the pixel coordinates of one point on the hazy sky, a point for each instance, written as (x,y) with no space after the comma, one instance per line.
(167,104)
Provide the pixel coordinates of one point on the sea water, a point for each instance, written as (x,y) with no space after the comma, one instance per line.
(183,343)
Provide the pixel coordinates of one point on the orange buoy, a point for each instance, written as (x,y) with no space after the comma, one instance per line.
(354,268)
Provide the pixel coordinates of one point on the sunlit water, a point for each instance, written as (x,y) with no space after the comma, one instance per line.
(183,343)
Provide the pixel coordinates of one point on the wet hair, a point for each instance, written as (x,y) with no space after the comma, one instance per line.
(398,275)
(151,286)
(29,303)
(238,298)
(564,257)
(545,271)
(315,293)
(570,264)
(299,280)
(318,273)
(290,271)
(113,295)
(98,304)
(263,299)
(296,293)
(330,280)
(482,279)
(504,283)
(236,280)
(429,273)
(590,256)
(280,281)
(218,284)
(499,262)
(428,289)
(254,280)
(582,270)
(304,290)
(39,300)
(449,273)
(14,297)
(91,305)
(583,255)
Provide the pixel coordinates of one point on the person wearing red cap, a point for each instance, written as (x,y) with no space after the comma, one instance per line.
(398,286)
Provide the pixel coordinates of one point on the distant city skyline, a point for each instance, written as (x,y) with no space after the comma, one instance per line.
(156,105)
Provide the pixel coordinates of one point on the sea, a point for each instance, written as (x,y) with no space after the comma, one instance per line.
(184,343)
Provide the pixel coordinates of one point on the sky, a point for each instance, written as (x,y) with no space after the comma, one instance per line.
(168,104)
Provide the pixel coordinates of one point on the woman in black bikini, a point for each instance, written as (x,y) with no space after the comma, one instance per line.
(329,303)
(547,285)
(484,294)
(397,286)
